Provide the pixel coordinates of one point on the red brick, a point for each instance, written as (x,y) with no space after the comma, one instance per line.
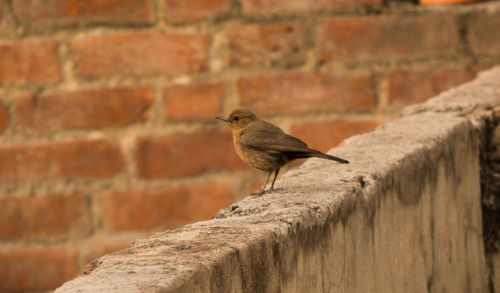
(85,158)
(4,118)
(167,207)
(84,108)
(46,216)
(264,44)
(140,54)
(323,136)
(75,11)
(297,92)
(180,155)
(386,37)
(188,10)
(483,33)
(36,269)
(200,101)
(96,250)
(408,86)
(29,61)
(291,6)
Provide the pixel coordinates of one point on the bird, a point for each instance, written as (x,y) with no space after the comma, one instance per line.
(265,146)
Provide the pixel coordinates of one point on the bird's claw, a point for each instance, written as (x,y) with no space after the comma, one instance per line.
(259,193)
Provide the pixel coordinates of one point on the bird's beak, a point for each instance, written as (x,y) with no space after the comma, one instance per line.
(222,118)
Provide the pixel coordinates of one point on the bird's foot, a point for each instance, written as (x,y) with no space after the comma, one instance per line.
(259,193)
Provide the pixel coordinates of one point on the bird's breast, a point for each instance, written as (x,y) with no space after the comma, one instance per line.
(255,158)
(237,145)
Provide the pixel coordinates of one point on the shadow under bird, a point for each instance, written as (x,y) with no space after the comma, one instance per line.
(266,147)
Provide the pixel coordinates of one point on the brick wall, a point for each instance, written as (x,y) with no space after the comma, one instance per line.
(106,107)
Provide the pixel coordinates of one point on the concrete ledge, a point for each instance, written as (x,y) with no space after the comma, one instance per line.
(404,216)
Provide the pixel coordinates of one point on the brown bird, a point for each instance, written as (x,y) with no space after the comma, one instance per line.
(266,147)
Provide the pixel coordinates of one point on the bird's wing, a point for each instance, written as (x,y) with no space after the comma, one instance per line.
(269,138)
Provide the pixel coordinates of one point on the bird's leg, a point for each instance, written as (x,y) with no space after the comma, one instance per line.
(263,188)
(275,175)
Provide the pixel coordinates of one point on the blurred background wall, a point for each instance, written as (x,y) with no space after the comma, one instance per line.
(106,107)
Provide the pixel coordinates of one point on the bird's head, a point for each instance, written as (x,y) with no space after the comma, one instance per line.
(238,119)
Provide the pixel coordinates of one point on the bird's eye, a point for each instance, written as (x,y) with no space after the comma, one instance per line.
(236,118)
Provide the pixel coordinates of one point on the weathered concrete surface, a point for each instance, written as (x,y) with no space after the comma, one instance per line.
(463,100)
(404,216)
(490,195)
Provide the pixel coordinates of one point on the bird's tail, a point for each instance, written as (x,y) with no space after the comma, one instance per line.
(318,154)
